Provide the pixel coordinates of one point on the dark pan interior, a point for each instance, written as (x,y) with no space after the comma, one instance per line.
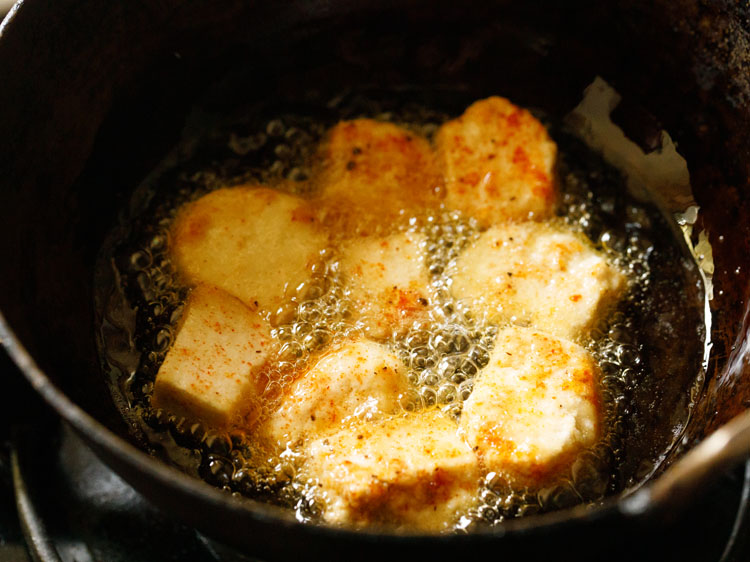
(95,94)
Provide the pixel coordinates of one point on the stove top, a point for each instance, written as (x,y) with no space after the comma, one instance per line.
(58,502)
(73,507)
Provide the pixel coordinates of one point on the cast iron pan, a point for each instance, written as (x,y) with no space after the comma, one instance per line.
(95,93)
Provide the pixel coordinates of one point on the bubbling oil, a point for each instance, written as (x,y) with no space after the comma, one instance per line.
(443,352)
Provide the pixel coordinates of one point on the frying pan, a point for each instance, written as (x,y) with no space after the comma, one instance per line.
(95,93)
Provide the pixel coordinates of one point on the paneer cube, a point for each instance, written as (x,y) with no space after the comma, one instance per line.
(498,163)
(375,173)
(211,372)
(533,407)
(412,470)
(355,380)
(388,281)
(253,242)
(537,274)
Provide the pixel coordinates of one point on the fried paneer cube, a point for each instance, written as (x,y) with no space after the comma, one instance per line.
(411,470)
(533,407)
(537,274)
(498,163)
(374,173)
(211,372)
(253,242)
(387,280)
(354,380)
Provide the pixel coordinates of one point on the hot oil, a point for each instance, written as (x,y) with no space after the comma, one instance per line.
(143,300)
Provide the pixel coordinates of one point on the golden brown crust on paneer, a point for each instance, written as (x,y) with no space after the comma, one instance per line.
(387,281)
(211,372)
(534,407)
(251,241)
(537,274)
(498,163)
(412,470)
(353,380)
(375,173)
